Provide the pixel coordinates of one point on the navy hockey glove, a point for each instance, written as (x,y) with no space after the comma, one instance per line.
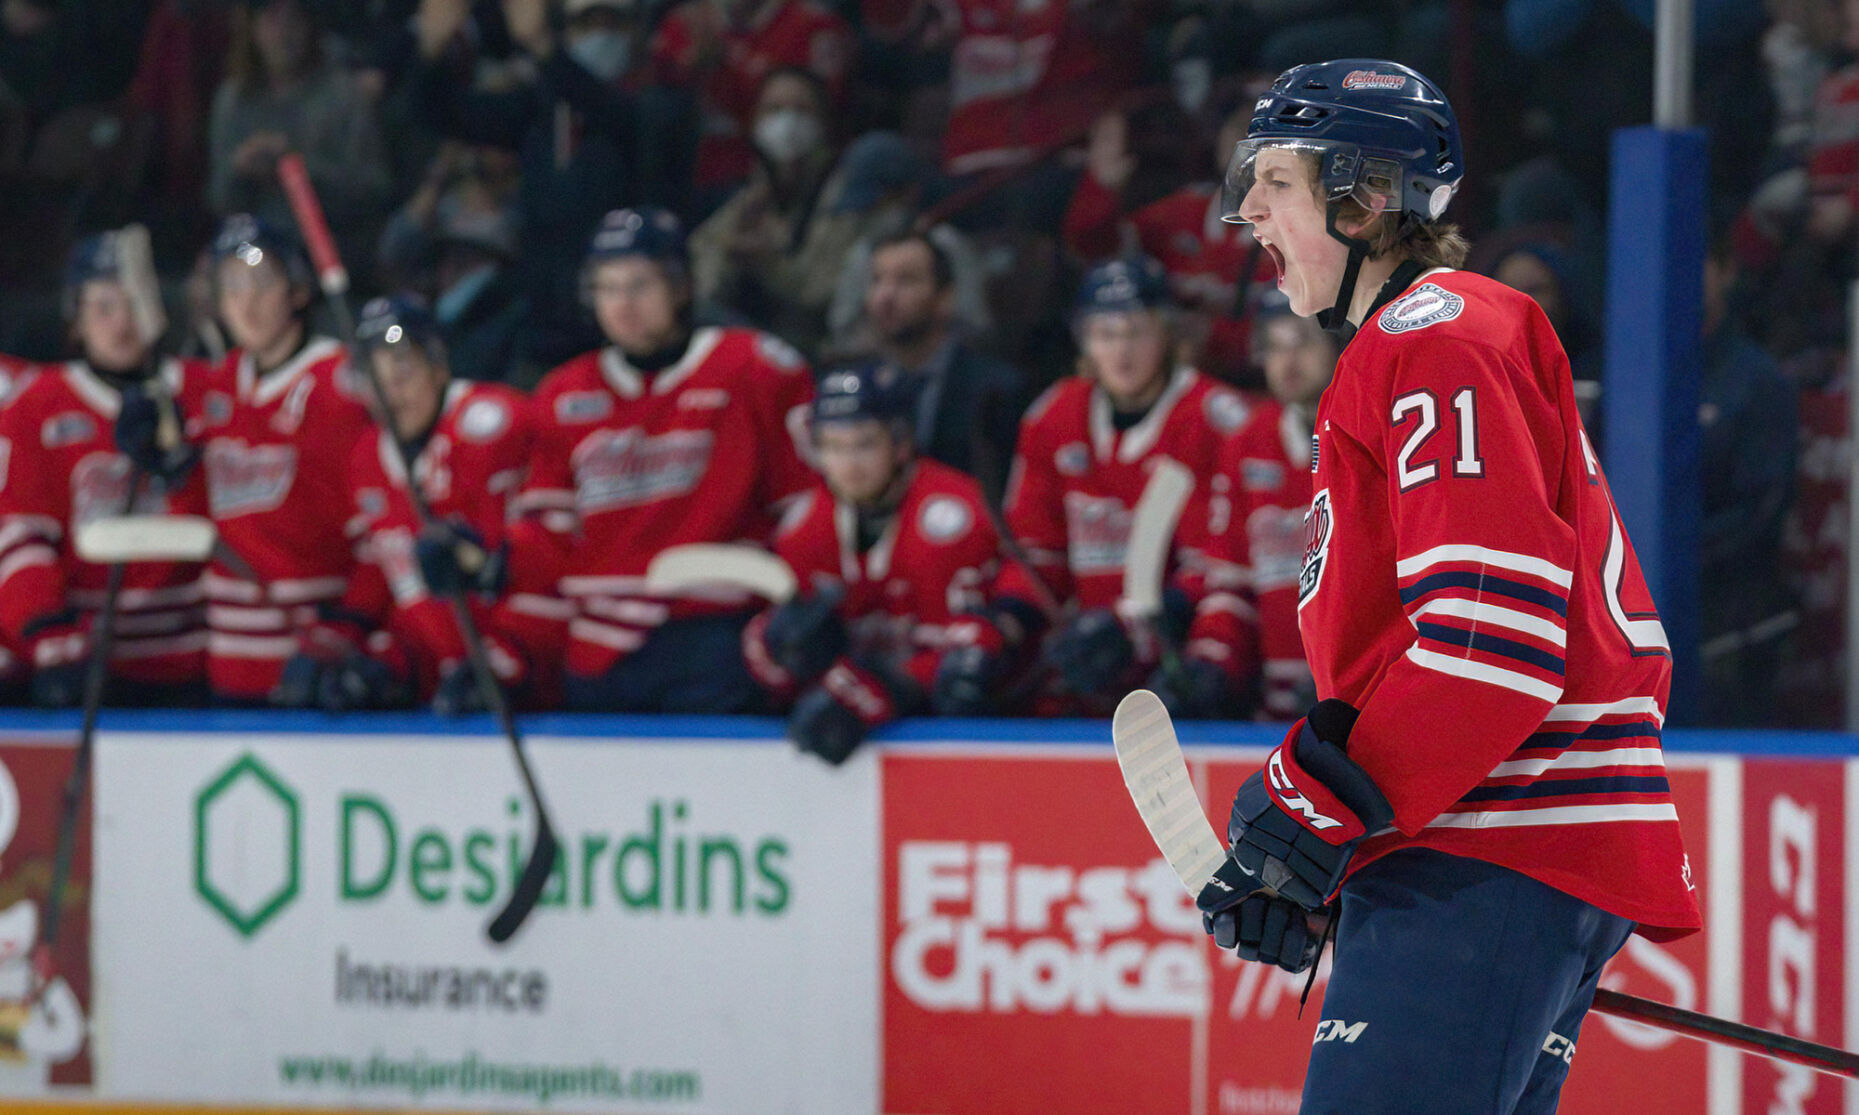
(1194,689)
(459,693)
(297,684)
(453,558)
(59,645)
(361,681)
(1092,651)
(805,635)
(1260,926)
(834,717)
(1296,823)
(971,669)
(139,434)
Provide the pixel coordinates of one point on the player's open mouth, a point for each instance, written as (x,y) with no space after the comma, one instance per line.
(1277,257)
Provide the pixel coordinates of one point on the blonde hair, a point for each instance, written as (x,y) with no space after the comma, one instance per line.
(1434,244)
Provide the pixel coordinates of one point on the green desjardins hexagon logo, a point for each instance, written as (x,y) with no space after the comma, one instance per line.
(247,844)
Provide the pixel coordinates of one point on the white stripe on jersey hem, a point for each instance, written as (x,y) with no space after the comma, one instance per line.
(222,617)
(599,586)
(21,527)
(1502,559)
(25,558)
(1491,675)
(277,647)
(1495,616)
(1581,760)
(535,604)
(634,613)
(618,638)
(1588,714)
(1558,815)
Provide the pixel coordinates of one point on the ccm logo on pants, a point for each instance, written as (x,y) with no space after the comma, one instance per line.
(1332,1029)
(1558,1046)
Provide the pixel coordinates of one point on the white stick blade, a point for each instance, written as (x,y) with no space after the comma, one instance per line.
(1152,536)
(1157,777)
(677,570)
(129,538)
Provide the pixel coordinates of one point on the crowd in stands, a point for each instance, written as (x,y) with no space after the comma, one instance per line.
(913,293)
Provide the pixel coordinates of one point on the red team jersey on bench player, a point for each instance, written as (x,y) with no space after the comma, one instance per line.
(275,450)
(932,563)
(469,471)
(59,469)
(1498,637)
(627,464)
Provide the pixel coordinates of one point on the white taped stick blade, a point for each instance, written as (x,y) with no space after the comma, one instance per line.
(129,538)
(1157,777)
(136,261)
(690,569)
(1152,536)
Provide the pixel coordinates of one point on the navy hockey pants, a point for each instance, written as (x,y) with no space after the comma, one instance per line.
(686,665)
(1458,988)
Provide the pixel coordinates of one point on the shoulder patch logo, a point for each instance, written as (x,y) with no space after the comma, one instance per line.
(1226,411)
(1318,528)
(67,428)
(1425,305)
(483,420)
(944,519)
(1072,459)
(1260,475)
(582,406)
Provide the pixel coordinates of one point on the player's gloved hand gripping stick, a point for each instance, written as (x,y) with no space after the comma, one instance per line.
(333,278)
(1157,778)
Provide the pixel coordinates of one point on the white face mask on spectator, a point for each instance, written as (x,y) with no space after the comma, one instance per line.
(602,53)
(787,135)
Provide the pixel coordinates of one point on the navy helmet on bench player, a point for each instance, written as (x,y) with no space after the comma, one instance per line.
(1377,131)
(398,319)
(253,240)
(875,391)
(1123,285)
(95,258)
(647,231)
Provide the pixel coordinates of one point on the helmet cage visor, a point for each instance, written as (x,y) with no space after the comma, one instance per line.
(1340,170)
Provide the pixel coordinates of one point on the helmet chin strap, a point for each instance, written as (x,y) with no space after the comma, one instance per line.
(1335,320)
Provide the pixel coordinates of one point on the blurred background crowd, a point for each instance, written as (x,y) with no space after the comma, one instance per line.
(928,183)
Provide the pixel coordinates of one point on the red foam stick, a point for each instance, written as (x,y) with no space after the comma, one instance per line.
(330,274)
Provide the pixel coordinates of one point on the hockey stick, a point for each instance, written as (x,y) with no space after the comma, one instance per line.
(1156,775)
(1152,536)
(333,278)
(676,570)
(145,538)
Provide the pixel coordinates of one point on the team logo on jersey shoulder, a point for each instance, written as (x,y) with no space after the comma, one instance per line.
(1072,459)
(944,519)
(779,353)
(1319,526)
(217,408)
(1226,411)
(68,428)
(372,502)
(582,406)
(1427,304)
(703,398)
(483,420)
(1261,475)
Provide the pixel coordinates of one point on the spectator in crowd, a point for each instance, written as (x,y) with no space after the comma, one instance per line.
(1244,655)
(891,550)
(725,50)
(280,95)
(670,435)
(73,437)
(1124,199)
(1542,270)
(1086,450)
(276,423)
(967,403)
(456,240)
(587,135)
(392,638)
(774,251)
(1748,421)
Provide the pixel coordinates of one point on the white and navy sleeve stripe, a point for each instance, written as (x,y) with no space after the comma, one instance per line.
(1609,770)
(1489,616)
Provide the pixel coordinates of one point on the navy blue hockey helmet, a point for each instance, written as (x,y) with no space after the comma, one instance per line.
(1378,129)
(397,319)
(1124,285)
(94,258)
(252,240)
(873,391)
(645,231)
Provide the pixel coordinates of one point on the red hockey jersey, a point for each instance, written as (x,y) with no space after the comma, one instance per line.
(932,563)
(275,450)
(1247,622)
(1076,479)
(59,469)
(1467,585)
(1201,253)
(469,470)
(627,464)
(695,47)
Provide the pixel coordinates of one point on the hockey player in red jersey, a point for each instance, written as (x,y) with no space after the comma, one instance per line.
(1244,655)
(392,635)
(16,375)
(892,552)
(1480,798)
(276,424)
(671,435)
(60,467)
(1086,450)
